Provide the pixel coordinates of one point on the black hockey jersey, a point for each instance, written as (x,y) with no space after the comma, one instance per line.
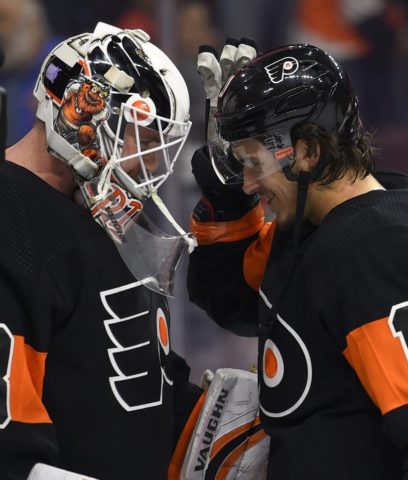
(333,368)
(89,382)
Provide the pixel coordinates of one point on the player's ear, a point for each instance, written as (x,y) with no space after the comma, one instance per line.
(307,155)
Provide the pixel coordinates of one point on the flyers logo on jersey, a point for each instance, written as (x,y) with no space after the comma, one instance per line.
(282,68)
(286,368)
(138,329)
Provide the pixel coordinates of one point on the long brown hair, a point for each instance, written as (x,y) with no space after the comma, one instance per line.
(337,157)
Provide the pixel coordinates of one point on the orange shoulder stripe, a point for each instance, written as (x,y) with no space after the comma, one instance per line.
(257,255)
(212,232)
(26,384)
(380,363)
(174,470)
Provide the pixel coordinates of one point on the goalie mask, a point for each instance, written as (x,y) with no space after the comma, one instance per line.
(116,110)
(260,105)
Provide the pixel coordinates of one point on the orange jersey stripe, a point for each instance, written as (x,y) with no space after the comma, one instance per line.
(213,232)
(26,384)
(174,470)
(257,255)
(380,363)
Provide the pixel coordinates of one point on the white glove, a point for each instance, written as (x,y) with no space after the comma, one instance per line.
(206,379)
(214,73)
(40,471)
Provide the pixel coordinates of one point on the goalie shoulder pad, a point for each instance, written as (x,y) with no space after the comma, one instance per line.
(228,441)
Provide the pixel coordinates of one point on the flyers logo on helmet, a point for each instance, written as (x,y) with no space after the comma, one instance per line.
(282,68)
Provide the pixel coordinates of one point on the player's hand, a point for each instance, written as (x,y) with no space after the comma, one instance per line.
(215,71)
(220,202)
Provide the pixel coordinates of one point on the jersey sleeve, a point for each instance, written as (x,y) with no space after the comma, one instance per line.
(226,269)
(373,293)
(26,430)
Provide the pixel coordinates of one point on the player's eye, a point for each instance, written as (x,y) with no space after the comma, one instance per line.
(246,160)
(251,162)
(149,144)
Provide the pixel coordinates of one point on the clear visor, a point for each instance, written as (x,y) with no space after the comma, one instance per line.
(262,156)
(143,157)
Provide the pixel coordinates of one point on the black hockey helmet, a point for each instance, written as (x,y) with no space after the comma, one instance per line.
(287,86)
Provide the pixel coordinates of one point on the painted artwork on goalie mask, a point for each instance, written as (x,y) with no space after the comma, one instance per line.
(85,105)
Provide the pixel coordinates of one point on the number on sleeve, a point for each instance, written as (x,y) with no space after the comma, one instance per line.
(6,353)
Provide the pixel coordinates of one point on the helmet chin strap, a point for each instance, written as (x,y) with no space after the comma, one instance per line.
(303,179)
(303,186)
(188,238)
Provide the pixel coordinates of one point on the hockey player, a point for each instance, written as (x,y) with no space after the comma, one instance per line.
(89,383)
(325,284)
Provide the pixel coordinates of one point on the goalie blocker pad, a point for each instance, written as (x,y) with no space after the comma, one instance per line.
(224,438)
(40,471)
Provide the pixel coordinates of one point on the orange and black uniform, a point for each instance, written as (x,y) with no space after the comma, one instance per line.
(88,380)
(333,367)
